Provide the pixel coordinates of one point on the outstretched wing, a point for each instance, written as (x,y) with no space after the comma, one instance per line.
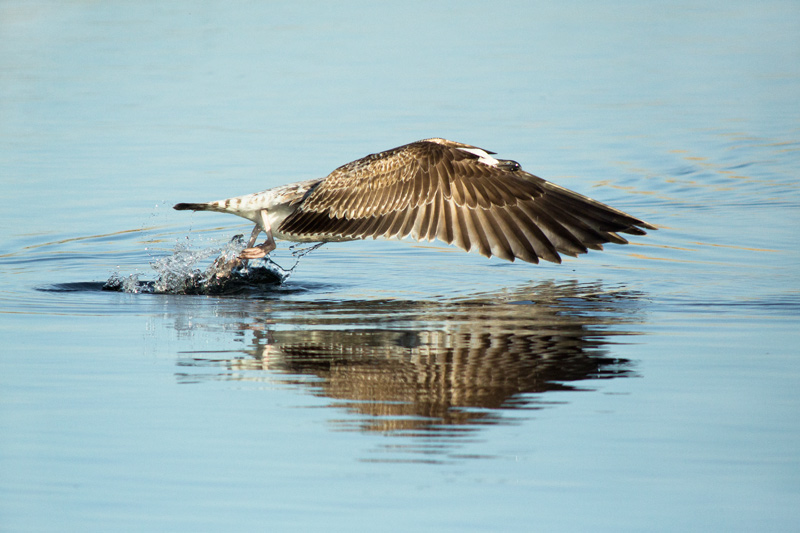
(459,194)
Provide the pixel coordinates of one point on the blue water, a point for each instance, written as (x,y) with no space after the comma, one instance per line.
(399,386)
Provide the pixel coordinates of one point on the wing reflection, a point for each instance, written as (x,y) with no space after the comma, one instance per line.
(420,367)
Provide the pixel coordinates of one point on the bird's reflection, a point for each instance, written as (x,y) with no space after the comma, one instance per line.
(434,367)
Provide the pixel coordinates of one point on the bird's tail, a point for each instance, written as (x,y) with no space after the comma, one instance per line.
(220,206)
(244,206)
(192,207)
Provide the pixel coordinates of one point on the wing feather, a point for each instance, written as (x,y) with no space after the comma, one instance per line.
(477,231)
(396,230)
(408,222)
(421,218)
(444,231)
(382,230)
(429,232)
(438,189)
(497,241)
(517,238)
(444,181)
(547,238)
(461,237)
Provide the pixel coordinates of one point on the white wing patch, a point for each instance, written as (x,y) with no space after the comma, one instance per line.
(483,156)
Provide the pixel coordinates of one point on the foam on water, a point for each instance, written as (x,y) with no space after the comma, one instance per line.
(179,273)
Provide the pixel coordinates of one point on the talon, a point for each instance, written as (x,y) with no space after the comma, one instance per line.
(253,253)
(257,252)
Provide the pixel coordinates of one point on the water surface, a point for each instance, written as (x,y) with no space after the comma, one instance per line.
(398,386)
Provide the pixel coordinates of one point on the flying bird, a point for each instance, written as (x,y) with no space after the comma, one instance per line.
(433,189)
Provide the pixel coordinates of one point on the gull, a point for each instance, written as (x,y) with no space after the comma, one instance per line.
(433,189)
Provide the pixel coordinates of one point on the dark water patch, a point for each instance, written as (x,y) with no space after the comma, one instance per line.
(240,281)
(257,283)
(77,286)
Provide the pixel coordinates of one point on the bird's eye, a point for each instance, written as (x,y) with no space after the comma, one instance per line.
(508,164)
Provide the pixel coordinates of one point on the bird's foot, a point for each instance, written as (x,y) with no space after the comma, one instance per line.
(257,252)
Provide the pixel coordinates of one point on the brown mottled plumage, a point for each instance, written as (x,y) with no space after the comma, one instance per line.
(434,189)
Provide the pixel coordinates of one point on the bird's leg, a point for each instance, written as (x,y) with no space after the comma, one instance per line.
(253,236)
(257,252)
(242,260)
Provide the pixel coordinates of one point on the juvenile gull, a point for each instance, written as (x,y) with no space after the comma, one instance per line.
(433,189)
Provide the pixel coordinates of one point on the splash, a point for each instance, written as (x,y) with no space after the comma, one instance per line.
(179,273)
